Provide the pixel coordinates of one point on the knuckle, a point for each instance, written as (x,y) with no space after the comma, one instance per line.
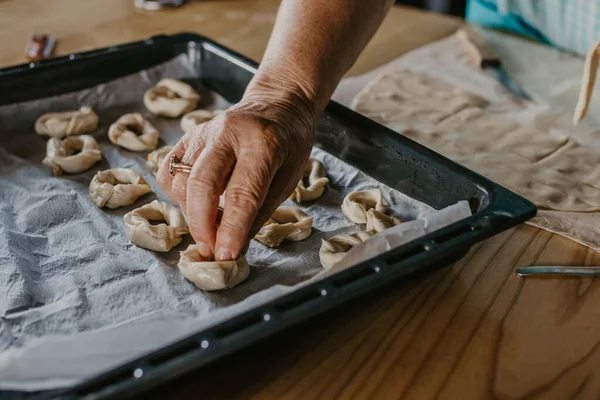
(192,153)
(231,118)
(220,154)
(262,172)
(229,228)
(195,144)
(203,185)
(262,165)
(243,198)
(228,118)
(272,141)
(199,132)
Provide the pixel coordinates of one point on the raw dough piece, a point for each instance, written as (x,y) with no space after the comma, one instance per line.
(411,98)
(212,275)
(286,223)
(356,205)
(197,117)
(117,187)
(62,124)
(587,83)
(171,98)
(122,133)
(156,157)
(312,185)
(378,221)
(335,248)
(162,237)
(72,154)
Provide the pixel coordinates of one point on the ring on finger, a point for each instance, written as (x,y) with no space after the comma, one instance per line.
(175,166)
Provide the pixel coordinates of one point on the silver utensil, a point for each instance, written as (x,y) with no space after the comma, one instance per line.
(156,5)
(487,60)
(544,270)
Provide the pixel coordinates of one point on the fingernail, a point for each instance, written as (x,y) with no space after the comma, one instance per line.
(204,250)
(223,255)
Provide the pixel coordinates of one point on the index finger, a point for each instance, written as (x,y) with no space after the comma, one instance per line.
(205,185)
(245,195)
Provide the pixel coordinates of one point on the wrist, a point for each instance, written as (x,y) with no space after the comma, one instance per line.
(282,97)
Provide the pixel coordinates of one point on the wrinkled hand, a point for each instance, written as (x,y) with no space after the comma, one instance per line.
(256,152)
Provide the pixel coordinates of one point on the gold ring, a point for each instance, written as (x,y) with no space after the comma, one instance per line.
(176,166)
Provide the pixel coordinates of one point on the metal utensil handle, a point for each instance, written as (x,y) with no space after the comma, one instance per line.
(478,47)
(555,270)
(157,5)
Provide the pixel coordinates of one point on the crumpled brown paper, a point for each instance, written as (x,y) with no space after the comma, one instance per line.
(445,60)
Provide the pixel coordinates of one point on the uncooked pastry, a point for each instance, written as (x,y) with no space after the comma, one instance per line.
(335,248)
(117,187)
(73,154)
(162,237)
(312,185)
(212,275)
(122,133)
(62,124)
(155,158)
(197,117)
(286,223)
(378,221)
(587,83)
(171,98)
(356,205)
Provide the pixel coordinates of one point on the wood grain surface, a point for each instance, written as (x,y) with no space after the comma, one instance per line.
(471,331)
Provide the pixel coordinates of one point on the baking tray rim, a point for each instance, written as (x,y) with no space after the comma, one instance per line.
(207,345)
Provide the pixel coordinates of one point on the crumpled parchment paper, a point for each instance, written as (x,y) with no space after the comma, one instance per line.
(76,297)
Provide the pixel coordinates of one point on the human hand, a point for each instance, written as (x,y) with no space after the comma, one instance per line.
(256,151)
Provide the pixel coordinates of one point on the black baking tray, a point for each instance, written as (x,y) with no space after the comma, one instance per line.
(380,152)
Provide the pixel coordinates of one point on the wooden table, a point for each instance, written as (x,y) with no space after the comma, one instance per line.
(472,331)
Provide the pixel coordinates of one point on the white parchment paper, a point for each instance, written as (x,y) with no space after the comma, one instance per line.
(76,297)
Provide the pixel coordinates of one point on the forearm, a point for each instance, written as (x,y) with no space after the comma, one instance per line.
(313,44)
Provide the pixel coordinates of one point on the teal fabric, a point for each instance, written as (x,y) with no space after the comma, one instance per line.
(572,25)
(486,13)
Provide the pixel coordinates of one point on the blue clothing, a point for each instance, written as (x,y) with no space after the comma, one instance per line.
(572,25)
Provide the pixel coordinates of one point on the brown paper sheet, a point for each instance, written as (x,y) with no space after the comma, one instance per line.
(549,163)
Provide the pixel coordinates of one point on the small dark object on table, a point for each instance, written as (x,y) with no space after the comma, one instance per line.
(39,47)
